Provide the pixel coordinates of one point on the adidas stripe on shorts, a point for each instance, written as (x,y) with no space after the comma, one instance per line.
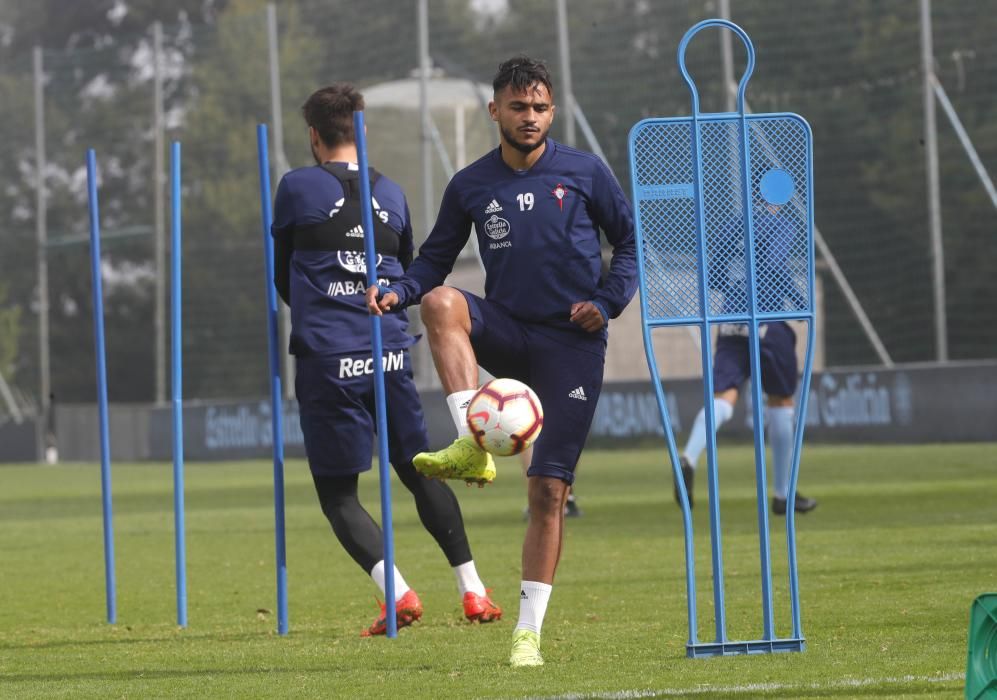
(564,366)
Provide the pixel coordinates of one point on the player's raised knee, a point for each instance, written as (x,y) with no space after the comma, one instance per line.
(442,304)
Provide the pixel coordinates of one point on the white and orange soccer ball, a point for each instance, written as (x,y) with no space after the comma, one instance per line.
(505,417)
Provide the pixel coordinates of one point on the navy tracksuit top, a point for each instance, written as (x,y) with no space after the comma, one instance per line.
(319,264)
(538,234)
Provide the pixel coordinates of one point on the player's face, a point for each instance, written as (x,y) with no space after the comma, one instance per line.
(524,118)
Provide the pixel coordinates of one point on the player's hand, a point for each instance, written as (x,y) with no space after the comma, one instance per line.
(378,306)
(587,315)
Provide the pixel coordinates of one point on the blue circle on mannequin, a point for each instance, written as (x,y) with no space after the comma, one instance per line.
(777,187)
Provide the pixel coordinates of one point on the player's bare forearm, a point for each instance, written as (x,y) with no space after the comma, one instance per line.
(376,306)
(587,316)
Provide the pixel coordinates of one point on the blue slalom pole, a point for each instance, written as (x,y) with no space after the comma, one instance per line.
(276,406)
(176,357)
(377,353)
(98,334)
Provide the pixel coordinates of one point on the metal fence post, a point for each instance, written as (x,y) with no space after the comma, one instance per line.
(564,56)
(934,196)
(158,179)
(41,232)
(280,167)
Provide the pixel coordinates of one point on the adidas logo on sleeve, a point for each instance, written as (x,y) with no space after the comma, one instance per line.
(578,393)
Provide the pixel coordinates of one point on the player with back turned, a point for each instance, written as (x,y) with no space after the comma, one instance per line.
(537,207)
(320,271)
(777,357)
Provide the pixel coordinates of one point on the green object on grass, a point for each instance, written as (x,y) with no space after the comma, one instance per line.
(981,661)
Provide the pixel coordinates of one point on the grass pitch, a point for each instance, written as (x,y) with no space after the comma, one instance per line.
(902,542)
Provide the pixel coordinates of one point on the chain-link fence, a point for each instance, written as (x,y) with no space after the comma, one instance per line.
(853,69)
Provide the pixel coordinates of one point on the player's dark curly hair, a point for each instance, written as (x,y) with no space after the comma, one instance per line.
(522,73)
(330,111)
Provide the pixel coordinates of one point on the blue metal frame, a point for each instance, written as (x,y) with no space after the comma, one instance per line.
(100,354)
(367,219)
(769,642)
(176,358)
(276,393)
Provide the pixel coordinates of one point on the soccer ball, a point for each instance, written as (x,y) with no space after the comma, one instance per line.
(505,417)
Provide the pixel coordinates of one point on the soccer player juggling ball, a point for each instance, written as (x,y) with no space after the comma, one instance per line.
(320,271)
(537,207)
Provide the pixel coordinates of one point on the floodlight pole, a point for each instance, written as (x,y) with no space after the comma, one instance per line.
(934,197)
(727,60)
(159,179)
(424,144)
(280,160)
(564,56)
(280,167)
(460,137)
(41,233)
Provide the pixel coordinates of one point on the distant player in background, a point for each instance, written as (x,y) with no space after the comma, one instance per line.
(537,207)
(777,358)
(320,272)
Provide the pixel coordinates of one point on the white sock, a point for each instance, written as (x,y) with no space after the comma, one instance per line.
(377,573)
(457,403)
(779,422)
(533,599)
(722,411)
(467,579)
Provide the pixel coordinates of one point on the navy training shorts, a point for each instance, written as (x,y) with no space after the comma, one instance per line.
(563,366)
(777,357)
(336,404)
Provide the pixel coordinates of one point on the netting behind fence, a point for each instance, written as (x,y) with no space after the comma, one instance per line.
(853,70)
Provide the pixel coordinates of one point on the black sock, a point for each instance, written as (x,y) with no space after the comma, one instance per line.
(439,512)
(352,524)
